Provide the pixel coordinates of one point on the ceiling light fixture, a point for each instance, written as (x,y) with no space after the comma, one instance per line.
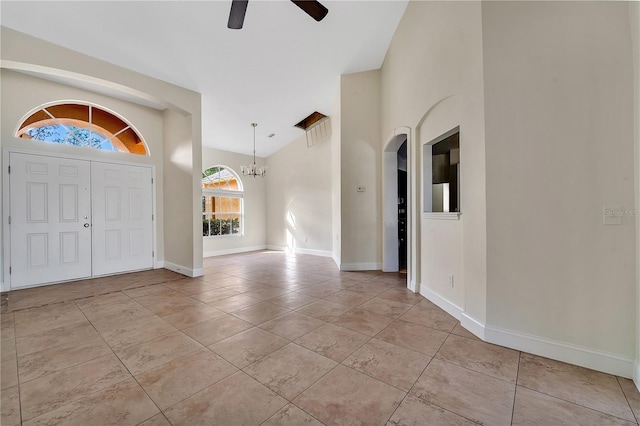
(254,170)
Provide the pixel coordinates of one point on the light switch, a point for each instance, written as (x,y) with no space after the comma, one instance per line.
(612,215)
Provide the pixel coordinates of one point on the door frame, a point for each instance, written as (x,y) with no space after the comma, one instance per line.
(5,284)
(390,205)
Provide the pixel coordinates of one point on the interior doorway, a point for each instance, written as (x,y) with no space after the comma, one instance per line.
(396,256)
(402,208)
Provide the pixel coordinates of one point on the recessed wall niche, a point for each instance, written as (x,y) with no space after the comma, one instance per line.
(441,173)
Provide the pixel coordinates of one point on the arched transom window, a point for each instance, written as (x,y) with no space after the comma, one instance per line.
(221,202)
(81,125)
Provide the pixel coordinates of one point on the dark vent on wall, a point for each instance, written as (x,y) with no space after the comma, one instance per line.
(310,120)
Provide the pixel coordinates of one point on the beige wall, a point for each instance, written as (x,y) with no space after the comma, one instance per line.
(432,82)
(336,205)
(634,14)
(559,132)
(255,223)
(299,197)
(537,268)
(361,160)
(22,52)
(178,171)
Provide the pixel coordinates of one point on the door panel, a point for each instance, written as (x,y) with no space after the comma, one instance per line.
(50,203)
(122,223)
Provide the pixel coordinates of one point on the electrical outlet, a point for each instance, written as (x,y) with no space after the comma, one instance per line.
(451,281)
(361,189)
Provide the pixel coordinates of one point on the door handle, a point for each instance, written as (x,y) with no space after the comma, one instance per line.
(86,225)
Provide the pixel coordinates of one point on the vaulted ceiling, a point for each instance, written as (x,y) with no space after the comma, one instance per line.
(280,67)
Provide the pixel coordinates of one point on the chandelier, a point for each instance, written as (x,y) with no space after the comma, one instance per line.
(254,170)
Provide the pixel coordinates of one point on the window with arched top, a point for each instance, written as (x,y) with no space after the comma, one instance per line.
(84,125)
(222,196)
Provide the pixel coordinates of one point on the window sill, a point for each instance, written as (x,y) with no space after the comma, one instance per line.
(223,236)
(441,215)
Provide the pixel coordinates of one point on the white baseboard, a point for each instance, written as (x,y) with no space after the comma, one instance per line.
(277,248)
(562,351)
(314,252)
(184,270)
(298,250)
(445,304)
(159,264)
(413,286)
(232,251)
(361,266)
(2,288)
(472,325)
(336,259)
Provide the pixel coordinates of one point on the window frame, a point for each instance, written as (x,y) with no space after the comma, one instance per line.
(67,122)
(224,193)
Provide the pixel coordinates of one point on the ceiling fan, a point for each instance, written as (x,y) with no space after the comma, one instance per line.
(312,8)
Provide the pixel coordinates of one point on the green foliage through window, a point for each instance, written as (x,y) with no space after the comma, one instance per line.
(213,226)
(222,199)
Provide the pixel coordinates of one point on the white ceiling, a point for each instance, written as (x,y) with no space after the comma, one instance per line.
(275,71)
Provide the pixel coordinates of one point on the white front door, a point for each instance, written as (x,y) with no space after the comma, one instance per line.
(50,219)
(122,218)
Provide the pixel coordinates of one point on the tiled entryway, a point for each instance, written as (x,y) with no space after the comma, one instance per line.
(266,338)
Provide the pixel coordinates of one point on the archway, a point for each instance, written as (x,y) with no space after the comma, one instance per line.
(396,205)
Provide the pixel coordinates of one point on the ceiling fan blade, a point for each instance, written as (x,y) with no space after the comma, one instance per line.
(236,16)
(312,8)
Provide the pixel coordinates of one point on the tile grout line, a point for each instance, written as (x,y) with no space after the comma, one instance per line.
(574,403)
(418,378)
(15,344)
(515,391)
(474,371)
(311,385)
(196,392)
(69,367)
(290,341)
(127,368)
(120,360)
(83,297)
(627,399)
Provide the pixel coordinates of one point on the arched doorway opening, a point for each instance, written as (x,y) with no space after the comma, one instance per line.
(396,206)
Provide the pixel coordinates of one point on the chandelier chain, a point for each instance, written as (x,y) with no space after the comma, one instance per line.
(254,170)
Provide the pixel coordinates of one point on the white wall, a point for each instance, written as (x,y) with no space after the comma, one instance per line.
(361,161)
(22,52)
(432,82)
(559,132)
(255,223)
(21,94)
(299,182)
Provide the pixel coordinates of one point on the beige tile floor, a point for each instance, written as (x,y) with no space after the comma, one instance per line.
(266,338)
